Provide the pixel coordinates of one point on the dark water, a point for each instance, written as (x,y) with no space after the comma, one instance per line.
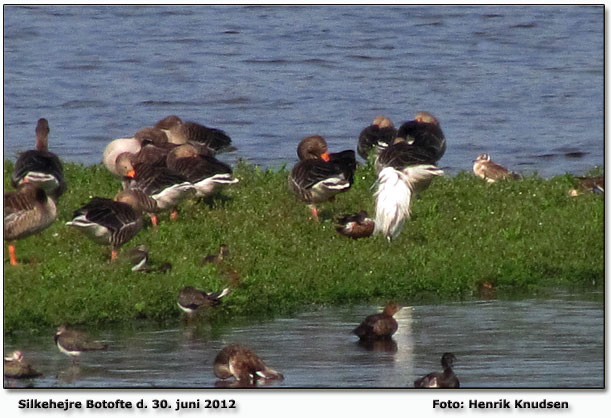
(524,84)
(555,342)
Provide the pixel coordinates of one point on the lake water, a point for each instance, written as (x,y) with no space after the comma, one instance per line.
(523,83)
(556,342)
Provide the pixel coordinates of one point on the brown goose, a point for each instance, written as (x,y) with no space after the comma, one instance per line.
(377,136)
(447,379)
(72,343)
(243,364)
(319,176)
(40,166)
(15,367)
(112,221)
(164,185)
(358,225)
(207,174)
(180,132)
(490,171)
(378,326)
(26,212)
(424,133)
(191,299)
(588,185)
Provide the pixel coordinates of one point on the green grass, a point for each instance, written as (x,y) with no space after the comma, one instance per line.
(521,236)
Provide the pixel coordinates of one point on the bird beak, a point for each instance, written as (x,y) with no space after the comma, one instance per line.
(325,156)
(131,174)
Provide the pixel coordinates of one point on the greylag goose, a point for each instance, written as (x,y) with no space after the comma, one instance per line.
(447,379)
(191,299)
(243,364)
(319,176)
(425,134)
(26,212)
(164,185)
(112,221)
(379,326)
(72,343)
(207,174)
(358,225)
(180,132)
(40,166)
(15,367)
(377,136)
(490,171)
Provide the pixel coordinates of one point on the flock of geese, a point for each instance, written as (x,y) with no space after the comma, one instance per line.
(175,160)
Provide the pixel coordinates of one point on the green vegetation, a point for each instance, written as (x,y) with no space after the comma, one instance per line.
(519,236)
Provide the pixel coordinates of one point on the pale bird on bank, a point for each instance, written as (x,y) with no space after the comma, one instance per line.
(490,171)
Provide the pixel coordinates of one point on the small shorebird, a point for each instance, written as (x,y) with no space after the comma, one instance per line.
(319,176)
(447,379)
(380,325)
(358,225)
(15,367)
(73,343)
(490,171)
(243,364)
(40,166)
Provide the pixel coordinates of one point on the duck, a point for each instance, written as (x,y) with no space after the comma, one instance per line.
(319,175)
(40,166)
(218,257)
(113,221)
(27,211)
(379,326)
(243,364)
(490,171)
(181,132)
(377,136)
(403,170)
(72,343)
(207,174)
(355,226)
(424,133)
(15,367)
(447,379)
(191,299)
(167,187)
(588,185)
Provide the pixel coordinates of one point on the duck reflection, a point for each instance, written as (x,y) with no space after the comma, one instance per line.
(388,345)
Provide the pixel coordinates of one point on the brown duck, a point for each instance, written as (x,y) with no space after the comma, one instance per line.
(378,326)
(243,364)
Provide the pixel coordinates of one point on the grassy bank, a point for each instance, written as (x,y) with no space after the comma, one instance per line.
(518,236)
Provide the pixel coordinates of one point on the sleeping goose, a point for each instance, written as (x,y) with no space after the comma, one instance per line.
(181,132)
(447,379)
(164,185)
(40,166)
(112,221)
(425,134)
(319,176)
(207,174)
(243,364)
(355,226)
(377,136)
(26,212)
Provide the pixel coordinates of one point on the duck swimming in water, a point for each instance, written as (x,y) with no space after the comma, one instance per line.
(446,379)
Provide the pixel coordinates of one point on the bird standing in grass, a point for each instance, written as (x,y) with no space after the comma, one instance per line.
(379,326)
(243,364)
(405,168)
(319,176)
(26,212)
(72,343)
(446,379)
(490,171)
(40,166)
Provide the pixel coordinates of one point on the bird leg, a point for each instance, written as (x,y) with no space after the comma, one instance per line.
(12,252)
(174,214)
(154,220)
(314,212)
(113,254)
